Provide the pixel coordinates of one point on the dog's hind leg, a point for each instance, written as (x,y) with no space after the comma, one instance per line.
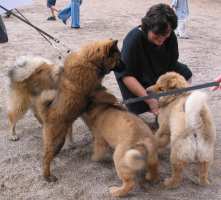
(53,138)
(17,108)
(69,136)
(152,161)
(203,173)
(125,174)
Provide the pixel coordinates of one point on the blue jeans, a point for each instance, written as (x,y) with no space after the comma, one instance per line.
(73,11)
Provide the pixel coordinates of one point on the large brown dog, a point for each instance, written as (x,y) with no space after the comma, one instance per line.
(135,145)
(28,78)
(186,123)
(83,73)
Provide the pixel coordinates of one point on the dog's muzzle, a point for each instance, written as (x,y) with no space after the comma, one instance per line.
(120,67)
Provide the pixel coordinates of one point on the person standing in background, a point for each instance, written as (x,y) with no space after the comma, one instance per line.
(182,11)
(51,6)
(3,32)
(73,10)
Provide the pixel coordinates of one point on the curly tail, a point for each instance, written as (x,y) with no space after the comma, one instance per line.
(25,66)
(193,106)
(134,159)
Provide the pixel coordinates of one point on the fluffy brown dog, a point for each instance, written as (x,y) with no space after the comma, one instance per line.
(28,78)
(83,72)
(134,144)
(186,122)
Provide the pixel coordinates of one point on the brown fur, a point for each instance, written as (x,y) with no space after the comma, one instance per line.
(83,72)
(179,126)
(24,92)
(133,142)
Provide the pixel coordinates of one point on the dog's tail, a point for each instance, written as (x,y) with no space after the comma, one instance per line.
(25,66)
(134,159)
(193,106)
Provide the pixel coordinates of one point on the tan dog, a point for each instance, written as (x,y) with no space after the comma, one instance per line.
(186,122)
(28,78)
(83,73)
(133,142)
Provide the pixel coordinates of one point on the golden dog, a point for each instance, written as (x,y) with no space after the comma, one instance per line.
(186,123)
(57,109)
(134,144)
(28,78)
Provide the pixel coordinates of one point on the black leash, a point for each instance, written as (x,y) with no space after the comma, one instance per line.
(154,95)
(42,33)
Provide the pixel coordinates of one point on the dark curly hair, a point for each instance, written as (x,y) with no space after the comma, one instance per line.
(159,19)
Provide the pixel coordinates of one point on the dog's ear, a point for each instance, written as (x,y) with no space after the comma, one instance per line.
(113,46)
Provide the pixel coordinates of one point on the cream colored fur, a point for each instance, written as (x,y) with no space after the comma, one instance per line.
(185,122)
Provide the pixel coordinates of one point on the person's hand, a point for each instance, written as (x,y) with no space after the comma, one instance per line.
(218,79)
(153,104)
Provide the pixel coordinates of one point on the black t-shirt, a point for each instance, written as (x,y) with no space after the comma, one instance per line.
(146,61)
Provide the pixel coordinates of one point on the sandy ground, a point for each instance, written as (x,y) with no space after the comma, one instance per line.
(79,177)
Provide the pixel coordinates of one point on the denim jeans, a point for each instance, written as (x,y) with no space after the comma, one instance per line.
(73,11)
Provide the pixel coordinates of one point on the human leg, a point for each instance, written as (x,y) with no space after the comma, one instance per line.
(75,13)
(65,14)
(51,4)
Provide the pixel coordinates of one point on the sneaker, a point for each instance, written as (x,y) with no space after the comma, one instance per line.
(51,18)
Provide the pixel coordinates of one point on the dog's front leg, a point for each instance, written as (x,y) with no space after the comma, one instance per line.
(176,178)
(163,136)
(100,148)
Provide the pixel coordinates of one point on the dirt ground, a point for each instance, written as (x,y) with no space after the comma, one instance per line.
(79,177)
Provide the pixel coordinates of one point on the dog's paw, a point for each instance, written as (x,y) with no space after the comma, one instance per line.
(13,138)
(151,178)
(95,158)
(51,178)
(204,182)
(170,183)
(116,191)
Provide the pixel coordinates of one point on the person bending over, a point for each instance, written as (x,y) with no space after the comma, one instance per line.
(149,50)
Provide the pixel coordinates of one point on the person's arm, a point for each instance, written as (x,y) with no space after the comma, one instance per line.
(137,89)
(218,79)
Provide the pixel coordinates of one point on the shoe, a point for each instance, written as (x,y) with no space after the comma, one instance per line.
(51,18)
